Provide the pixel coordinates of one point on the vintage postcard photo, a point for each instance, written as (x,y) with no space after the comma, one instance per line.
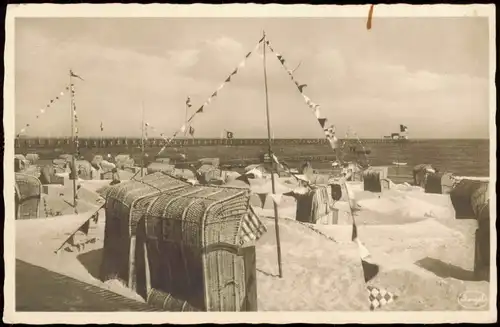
(250,163)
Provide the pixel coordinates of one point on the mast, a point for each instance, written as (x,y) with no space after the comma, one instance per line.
(186,119)
(142,142)
(73,163)
(276,219)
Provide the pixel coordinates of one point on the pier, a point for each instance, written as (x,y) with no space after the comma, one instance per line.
(95,142)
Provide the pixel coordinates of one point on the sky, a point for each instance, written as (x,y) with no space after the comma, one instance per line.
(430,74)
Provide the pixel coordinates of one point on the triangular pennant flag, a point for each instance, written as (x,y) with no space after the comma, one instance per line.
(42,110)
(62,93)
(220,87)
(228,79)
(243,178)
(199,110)
(242,64)
(248,54)
(262,198)
(208,101)
(306,98)
(214,94)
(57,98)
(317,113)
(37,117)
(27,125)
(334,142)
(301,87)
(279,57)
(234,72)
(363,251)
(354,232)
(276,198)
(51,101)
(322,122)
(275,159)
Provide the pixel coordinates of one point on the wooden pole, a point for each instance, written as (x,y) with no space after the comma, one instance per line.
(142,142)
(72,105)
(276,218)
(186,120)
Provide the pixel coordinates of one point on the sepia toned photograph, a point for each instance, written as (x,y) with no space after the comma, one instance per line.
(267,161)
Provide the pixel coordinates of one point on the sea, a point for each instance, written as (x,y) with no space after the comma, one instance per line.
(464,157)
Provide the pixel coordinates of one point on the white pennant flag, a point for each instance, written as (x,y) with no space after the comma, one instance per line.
(183,128)
(275,159)
(363,251)
(242,64)
(276,198)
(208,101)
(220,87)
(306,98)
(42,110)
(62,93)
(317,113)
(23,130)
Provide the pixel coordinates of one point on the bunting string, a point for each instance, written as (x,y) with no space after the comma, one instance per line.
(44,109)
(241,65)
(75,118)
(329,130)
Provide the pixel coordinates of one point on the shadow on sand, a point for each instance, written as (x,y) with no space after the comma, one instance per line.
(92,262)
(445,270)
(39,289)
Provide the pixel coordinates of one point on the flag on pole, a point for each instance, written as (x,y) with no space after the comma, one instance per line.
(229,134)
(74,75)
(403,128)
(191,130)
(102,128)
(188,102)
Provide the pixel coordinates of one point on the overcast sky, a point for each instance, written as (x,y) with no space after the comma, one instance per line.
(429,74)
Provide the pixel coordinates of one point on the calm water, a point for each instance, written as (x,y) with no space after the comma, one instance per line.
(463,157)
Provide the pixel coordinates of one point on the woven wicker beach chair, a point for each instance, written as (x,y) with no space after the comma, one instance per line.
(462,198)
(313,205)
(28,190)
(208,173)
(371,181)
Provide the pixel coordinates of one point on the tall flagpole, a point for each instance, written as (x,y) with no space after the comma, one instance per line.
(72,105)
(186,120)
(142,142)
(276,218)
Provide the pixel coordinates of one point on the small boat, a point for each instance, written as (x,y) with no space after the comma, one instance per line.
(399,163)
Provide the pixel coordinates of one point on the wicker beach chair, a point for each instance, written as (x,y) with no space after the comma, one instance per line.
(371,181)
(182,248)
(314,205)
(208,173)
(461,198)
(433,183)
(29,190)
